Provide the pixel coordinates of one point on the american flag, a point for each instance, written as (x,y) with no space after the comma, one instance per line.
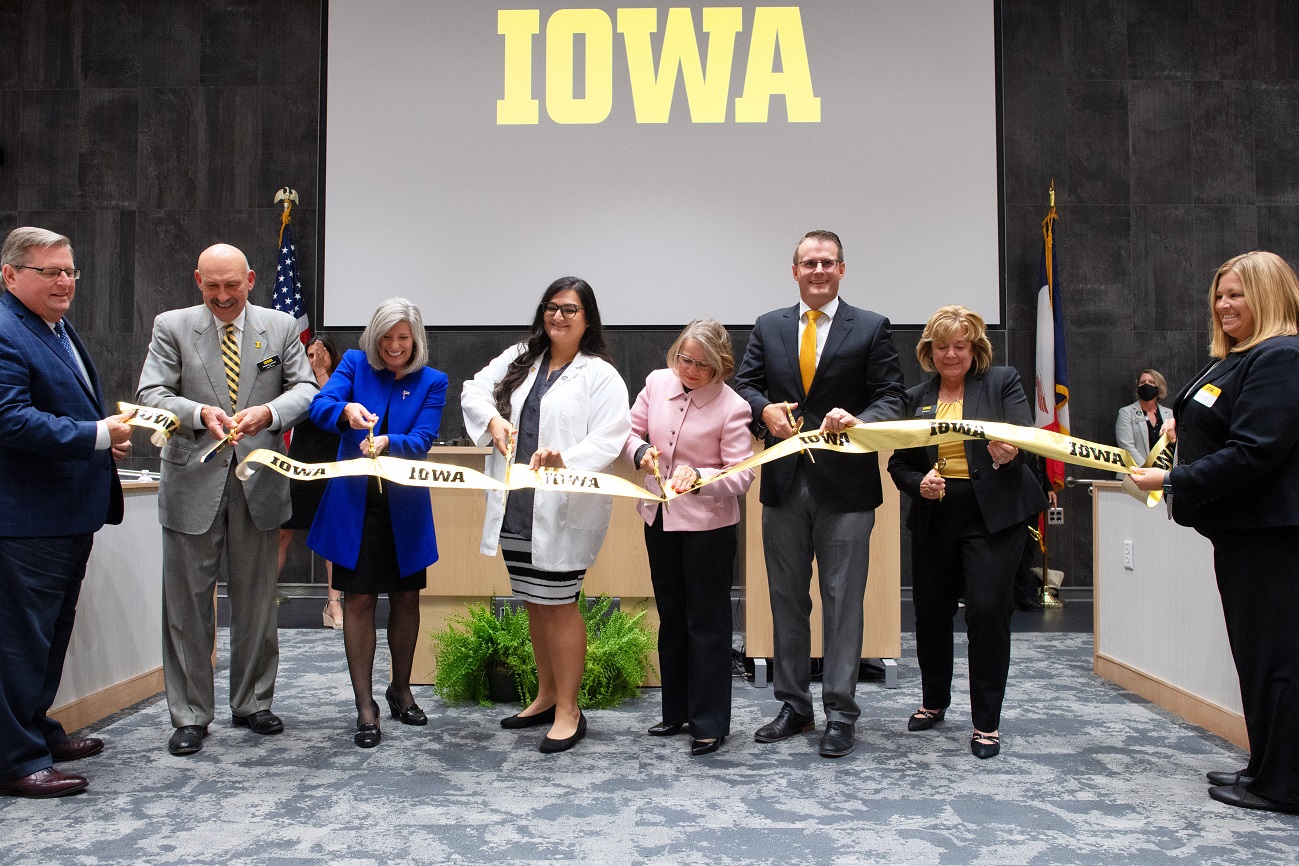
(288,289)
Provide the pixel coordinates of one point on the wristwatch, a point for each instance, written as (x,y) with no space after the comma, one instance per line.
(1168,486)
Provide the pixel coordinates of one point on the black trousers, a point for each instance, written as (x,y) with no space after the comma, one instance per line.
(1259,584)
(959,556)
(691,573)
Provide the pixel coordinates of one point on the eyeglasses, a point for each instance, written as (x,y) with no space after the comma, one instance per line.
(568,311)
(53,273)
(813,264)
(689,362)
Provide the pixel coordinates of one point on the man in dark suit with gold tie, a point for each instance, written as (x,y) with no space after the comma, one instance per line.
(224,368)
(58,486)
(830,366)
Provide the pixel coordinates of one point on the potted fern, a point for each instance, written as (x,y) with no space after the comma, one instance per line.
(473,645)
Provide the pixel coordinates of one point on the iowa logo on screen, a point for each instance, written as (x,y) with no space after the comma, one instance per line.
(777,65)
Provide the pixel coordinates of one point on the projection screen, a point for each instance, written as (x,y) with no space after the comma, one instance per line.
(670,155)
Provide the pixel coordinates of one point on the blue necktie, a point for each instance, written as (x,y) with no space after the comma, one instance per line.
(62,333)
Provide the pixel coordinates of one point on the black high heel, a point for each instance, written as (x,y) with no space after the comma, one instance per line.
(412,715)
(368,736)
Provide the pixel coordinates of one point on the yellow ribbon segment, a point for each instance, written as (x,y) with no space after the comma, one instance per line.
(1160,457)
(162,422)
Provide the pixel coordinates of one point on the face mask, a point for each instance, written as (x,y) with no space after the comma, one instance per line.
(1147,392)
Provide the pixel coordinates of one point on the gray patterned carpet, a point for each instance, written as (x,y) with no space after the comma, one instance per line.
(1088,775)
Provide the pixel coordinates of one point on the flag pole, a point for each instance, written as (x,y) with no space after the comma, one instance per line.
(1050,596)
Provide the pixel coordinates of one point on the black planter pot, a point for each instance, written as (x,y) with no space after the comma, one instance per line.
(501,687)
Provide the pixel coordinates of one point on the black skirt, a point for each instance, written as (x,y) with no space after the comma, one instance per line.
(309,444)
(376,569)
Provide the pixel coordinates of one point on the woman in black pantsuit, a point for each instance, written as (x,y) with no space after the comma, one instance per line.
(1237,427)
(969,502)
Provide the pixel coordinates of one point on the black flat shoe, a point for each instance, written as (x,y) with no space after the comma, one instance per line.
(368,736)
(1236,795)
(549,746)
(706,747)
(545,717)
(923,720)
(1219,777)
(985,745)
(663,729)
(412,715)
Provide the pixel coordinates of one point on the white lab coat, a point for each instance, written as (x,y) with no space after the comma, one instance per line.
(585,416)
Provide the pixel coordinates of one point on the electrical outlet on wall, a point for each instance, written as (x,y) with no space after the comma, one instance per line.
(1055,516)
(1127,555)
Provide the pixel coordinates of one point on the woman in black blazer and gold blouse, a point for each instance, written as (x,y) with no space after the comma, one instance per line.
(1237,426)
(969,502)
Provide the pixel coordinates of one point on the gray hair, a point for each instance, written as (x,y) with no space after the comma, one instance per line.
(27,238)
(716,343)
(387,315)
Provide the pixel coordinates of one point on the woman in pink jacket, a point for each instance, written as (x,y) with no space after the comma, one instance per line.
(690,421)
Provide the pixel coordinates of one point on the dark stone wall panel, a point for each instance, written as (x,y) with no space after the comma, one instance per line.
(171,169)
(1034,140)
(291,56)
(1094,264)
(10,124)
(1223,165)
(1163,257)
(11,45)
(1278,231)
(111,47)
(171,31)
(1275,25)
(1218,234)
(1160,118)
(47,151)
(1159,39)
(1032,35)
(230,42)
(165,255)
(108,155)
(1276,142)
(51,45)
(105,247)
(1096,39)
(289,127)
(232,144)
(1223,34)
(1097,123)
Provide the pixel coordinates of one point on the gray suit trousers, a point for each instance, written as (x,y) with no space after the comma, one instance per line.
(792,534)
(191,565)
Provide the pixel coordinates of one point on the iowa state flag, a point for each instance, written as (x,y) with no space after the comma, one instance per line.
(1052,381)
(288,290)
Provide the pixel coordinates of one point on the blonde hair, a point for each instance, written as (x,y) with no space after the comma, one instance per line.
(951,323)
(1271,293)
(1161,384)
(716,343)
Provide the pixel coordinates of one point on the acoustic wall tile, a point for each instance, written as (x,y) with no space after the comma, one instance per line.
(47,150)
(107,156)
(1276,142)
(171,32)
(1223,163)
(171,168)
(111,43)
(1160,131)
(1098,142)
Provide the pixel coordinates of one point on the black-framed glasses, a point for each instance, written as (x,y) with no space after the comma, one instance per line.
(823,264)
(53,273)
(568,311)
(687,362)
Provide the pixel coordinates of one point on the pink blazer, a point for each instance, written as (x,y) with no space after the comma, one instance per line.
(707,429)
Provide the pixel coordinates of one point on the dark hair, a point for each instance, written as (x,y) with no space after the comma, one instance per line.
(539,341)
(329,348)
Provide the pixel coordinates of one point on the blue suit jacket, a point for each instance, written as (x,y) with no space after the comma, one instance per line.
(52,480)
(412,410)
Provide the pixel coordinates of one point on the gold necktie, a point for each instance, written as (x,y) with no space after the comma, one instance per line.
(807,350)
(230,359)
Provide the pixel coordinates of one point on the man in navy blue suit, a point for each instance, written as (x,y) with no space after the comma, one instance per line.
(58,485)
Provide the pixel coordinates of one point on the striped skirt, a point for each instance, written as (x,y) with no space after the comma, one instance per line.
(532,584)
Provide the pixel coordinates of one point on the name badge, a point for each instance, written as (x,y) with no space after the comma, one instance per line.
(927,412)
(1208,395)
(272,361)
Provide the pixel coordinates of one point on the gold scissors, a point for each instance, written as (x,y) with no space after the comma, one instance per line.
(797,427)
(939,466)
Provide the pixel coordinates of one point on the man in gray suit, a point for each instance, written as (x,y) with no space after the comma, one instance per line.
(831,366)
(225,368)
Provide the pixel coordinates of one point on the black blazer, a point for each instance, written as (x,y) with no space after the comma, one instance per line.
(858,372)
(1239,462)
(1007,496)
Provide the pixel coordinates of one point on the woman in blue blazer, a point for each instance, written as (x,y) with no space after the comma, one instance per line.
(1237,426)
(969,502)
(380,540)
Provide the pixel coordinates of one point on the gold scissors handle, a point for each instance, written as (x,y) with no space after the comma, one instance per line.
(939,466)
(797,426)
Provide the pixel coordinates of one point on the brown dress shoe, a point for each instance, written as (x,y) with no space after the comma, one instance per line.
(44,783)
(72,749)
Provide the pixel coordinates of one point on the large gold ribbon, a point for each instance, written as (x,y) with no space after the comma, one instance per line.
(160,421)
(861,439)
(1160,457)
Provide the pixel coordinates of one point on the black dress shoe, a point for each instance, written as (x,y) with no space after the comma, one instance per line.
(1219,777)
(367,736)
(923,720)
(985,745)
(1237,795)
(548,745)
(706,747)
(71,750)
(786,724)
(44,783)
(187,739)
(514,722)
(663,729)
(837,740)
(260,722)
(412,715)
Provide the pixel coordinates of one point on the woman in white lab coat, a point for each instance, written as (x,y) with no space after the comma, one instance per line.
(560,396)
